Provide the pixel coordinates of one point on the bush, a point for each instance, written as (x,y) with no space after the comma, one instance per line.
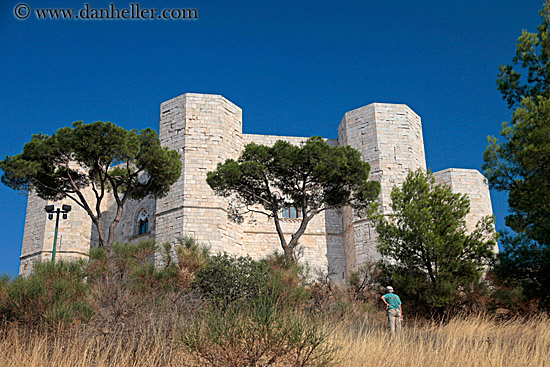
(133,264)
(129,289)
(53,296)
(192,257)
(286,279)
(127,257)
(257,333)
(98,267)
(4,281)
(191,254)
(367,280)
(225,279)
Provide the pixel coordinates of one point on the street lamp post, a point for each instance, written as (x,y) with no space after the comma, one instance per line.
(50,210)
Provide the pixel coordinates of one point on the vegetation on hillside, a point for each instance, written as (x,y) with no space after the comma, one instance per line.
(520,166)
(130,313)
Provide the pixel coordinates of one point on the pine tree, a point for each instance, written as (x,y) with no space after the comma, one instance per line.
(426,249)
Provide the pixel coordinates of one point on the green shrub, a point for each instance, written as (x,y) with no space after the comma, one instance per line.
(126,257)
(224,279)
(192,255)
(152,279)
(4,281)
(54,295)
(286,279)
(259,332)
(134,265)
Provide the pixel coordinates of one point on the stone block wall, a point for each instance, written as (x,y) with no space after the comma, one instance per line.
(127,228)
(33,235)
(472,183)
(74,236)
(389,137)
(207,130)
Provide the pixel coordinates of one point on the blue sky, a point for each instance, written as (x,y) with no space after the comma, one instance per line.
(294,67)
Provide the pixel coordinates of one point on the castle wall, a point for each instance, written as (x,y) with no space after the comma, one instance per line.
(389,137)
(270,140)
(74,233)
(127,228)
(205,130)
(33,235)
(473,184)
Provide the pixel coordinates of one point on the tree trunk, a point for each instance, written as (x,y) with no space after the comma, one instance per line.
(101,236)
(296,236)
(287,250)
(114,223)
(289,253)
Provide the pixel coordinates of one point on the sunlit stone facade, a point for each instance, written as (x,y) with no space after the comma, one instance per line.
(206,130)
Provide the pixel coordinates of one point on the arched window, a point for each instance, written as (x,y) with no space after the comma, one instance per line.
(142,222)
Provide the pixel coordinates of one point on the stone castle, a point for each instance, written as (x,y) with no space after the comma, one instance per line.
(206,130)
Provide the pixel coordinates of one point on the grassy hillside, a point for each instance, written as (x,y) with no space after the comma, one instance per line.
(460,342)
(200,309)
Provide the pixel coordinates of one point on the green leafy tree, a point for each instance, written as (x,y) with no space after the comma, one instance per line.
(425,245)
(101,156)
(520,164)
(312,177)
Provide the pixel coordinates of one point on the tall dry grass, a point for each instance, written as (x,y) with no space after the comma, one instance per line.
(470,341)
(19,348)
(128,329)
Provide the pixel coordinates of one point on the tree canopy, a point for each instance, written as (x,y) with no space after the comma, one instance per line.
(101,156)
(520,163)
(533,56)
(426,248)
(521,166)
(312,178)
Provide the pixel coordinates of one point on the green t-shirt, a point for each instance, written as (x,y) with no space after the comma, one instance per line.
(393,300)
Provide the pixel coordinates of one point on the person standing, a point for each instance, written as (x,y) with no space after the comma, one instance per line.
(393,305)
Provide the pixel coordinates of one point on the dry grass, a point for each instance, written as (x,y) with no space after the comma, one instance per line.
(20,348)
(128,329)
(472,341)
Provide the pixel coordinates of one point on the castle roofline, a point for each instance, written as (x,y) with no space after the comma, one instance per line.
(376,107)
(454,172)
(458,170)
(190,95)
